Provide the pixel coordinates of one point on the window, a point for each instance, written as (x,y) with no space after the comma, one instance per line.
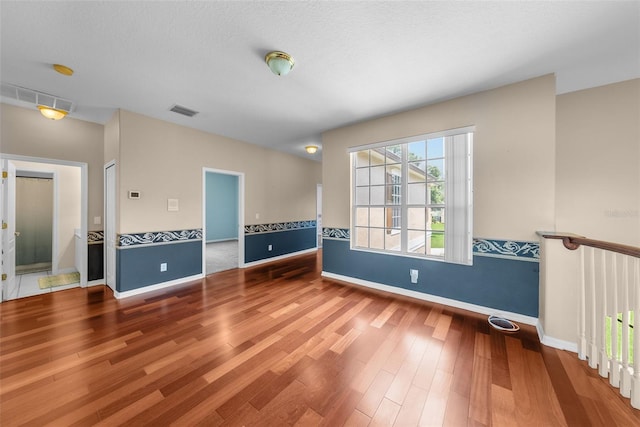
(414,196)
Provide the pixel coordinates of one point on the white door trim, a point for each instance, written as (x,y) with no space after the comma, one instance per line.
(240,176)
(319,216)
(109,211)
(8,234)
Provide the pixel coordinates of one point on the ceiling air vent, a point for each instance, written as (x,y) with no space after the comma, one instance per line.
(34,97)
(182,110)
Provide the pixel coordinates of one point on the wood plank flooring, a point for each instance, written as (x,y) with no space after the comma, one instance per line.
(279,345)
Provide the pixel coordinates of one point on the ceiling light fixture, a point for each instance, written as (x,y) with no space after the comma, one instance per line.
(52,113)
(280,63)
(63,69)
(311,149)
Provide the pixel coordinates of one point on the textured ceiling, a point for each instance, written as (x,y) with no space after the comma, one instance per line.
(354,60)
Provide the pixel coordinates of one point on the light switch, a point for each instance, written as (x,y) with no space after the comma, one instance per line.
(97,220)
(173,205)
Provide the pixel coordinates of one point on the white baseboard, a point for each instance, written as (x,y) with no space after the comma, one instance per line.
(555,342)
(157,286)
(96,282)
(516,317)
(276,258)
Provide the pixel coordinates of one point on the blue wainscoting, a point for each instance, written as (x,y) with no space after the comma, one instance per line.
(138,266)
(502,283)
(284,238)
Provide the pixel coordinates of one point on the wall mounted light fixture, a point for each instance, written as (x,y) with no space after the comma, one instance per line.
(280,63)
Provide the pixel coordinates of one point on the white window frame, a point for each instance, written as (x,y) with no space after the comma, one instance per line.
(458,206)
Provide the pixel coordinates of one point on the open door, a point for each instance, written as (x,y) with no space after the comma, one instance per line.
(8,227)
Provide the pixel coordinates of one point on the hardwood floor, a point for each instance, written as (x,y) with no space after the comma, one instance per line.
(279,345)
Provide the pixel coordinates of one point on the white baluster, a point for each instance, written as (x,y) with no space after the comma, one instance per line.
(635,383)
(593,349)
(625,380)
(603,360)
(614,361)
(582,309)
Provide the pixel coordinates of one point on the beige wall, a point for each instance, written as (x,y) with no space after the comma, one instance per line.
(68,188)
(514,156)
(25,132)
(164,161)
(597,191)
(598,163)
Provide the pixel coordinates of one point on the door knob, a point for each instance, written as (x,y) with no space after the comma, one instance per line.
(17,233)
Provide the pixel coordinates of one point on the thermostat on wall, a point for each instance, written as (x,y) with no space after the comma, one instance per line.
(134,194)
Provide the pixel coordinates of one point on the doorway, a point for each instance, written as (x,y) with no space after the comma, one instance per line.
(34,221)
(25,240)
(223,220)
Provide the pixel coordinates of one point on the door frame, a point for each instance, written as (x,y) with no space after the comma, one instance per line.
(7,197)
(240,176)
(319,216)
(84,202)
(105,215)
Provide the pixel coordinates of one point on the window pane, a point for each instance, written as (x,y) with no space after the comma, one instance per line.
(435,243)
(393,195)
(435,147)
(416,218)
(417,150)
(417,194)
(377,217)
(362,158)
(362,217)
(392,240)
(436,193)
(399,196)
(393,217)
(435,220)
(394,174)
(362,176)
(416,244)
(417,170)
(362,196)
(377,175)
(376,238)
(394,154)
(377,195)
(362,237)
(436,170)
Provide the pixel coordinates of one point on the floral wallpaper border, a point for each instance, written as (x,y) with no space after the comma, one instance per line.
(135,239)
(278,226)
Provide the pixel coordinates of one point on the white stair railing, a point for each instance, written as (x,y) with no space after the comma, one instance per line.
(609,299)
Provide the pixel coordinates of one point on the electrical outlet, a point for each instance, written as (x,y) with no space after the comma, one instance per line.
(163,266)
(270,247)
(414,275)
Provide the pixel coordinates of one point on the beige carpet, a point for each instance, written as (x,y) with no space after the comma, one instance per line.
(58,280)
(222,256)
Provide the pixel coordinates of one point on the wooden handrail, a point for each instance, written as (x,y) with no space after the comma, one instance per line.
(573,242)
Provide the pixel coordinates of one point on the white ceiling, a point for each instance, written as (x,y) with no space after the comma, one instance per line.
(354,60)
